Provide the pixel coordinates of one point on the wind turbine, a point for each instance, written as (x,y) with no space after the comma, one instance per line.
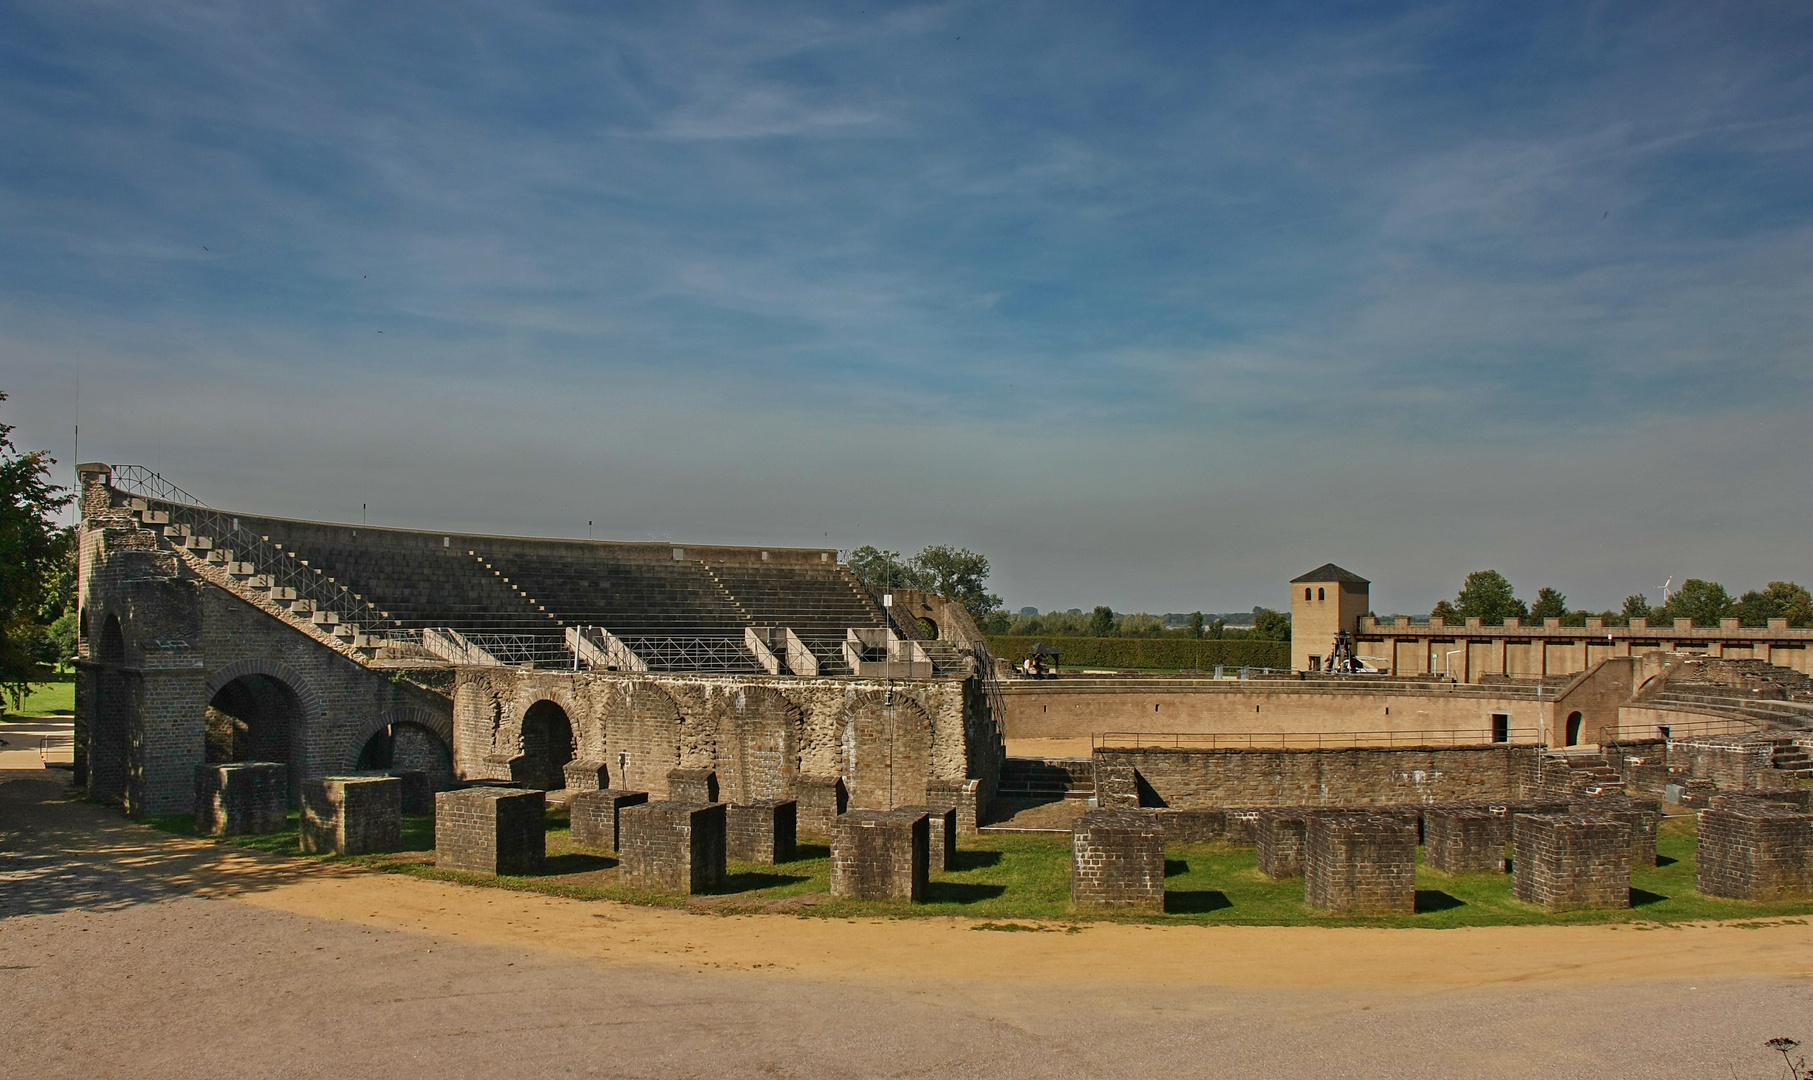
(1665,585)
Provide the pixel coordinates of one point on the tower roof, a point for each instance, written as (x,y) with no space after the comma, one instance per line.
(1330,572)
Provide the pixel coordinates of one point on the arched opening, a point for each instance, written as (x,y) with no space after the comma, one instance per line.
(113,641)
(888,755)
(1573,729)
(1321,594)
(757,746)
(928,628)
(253,718)
(407,747)
(1306,592)
(110,725)
(379,751)
(547,746)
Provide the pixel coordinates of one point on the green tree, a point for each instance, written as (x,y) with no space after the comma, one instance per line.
(1195,624)
(1269,625)
(1636,606)
(1487,596)
(1550,604)
(958,574)
(1781,600)
(32,548)
(1445,611)
(1101,621)
(886,569)
(1705,602)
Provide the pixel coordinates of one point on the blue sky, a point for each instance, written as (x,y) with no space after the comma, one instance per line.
(1156,305)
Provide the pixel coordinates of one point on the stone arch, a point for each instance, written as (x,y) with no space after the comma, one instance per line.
(113,640)
(758,745)
(642,741)
(269,705)
(929,627)
(547,746)
(887,752)
(427,745)
(113,716)
(1574,723)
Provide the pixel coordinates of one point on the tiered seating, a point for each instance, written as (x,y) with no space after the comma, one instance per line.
(414,589)
(629,595)
(814,601)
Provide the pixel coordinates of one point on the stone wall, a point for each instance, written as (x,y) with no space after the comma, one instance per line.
(763,832)
(245,797)
(1194,779)
(1117,861)
(1755,850)
(595,818)
(672,847)
(1566,861)
(1281,840)
(352,815)
(880,855)
(1465,840)
(1360,864)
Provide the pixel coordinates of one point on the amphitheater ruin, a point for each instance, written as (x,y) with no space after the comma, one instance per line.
(690,704)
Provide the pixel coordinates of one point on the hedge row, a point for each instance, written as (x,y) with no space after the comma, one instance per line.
(1119,652)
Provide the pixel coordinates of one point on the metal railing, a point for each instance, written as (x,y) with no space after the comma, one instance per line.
(1307,740)
(693,654)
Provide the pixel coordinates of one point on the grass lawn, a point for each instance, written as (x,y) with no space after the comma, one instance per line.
(1026,876)
(50,699)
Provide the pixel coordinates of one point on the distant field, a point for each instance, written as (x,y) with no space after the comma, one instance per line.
(49,699)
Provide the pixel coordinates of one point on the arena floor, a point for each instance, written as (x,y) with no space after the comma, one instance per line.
(125,951)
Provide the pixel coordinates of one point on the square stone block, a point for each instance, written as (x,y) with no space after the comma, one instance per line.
(881,854)
(1117,860)
(418,788)
(1282,835)
(1644,816)
(765,831)
(1192,826)
(692,786)
(352,815)
(1566,861)
(246,797)
(1465,840)
(1360,864)
(586,775)
(595,818)
(1752,849)
(673,847)
(490,830)
(821,800)
(942,839)
(1243,827)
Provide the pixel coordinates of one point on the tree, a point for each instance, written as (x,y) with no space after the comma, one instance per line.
(1636,606)
(1195,624)
(1781,600)
(1443,610)
(1488,597)
(32,549)
(1269,625)
(886,569)
(1550,604)
(958,574)
(1101,621)
(1705,602)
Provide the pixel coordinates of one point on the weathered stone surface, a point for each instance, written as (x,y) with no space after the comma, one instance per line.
(692,786)
(673,847)
(942,839)
(244,797)
(821,800)
(352,815)
(595,817)
(1243,827)
(1360,864)
(1566,861)
(1755,850)
(490,830)
(1465,840)
(1192,826)
(586,775)
(1282,835)
(1117,860)
(1644,816)
(1325,778)
(764,832)
(881,854)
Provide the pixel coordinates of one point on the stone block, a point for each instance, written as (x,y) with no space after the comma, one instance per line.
(1753,849)
(1281,838)
(1192,826)
(1465,840)
(1566,861)
(245,797)
(586,775)
(1360,864)
(960,795)
(692,786)
(1116,786)
(352,815)
(822,799)
(673,847)
(490,830)
(941,841)
(418,788)
(1243,827)
(1644,816)
(881,854)
(765,831)
(1117,860)
(595,817)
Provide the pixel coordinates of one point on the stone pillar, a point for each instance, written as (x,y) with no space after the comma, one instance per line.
(1755,850)
(942,839)
(1117,860)
(692,786)
(1360,864)
(418,788)
(352,815)
(960,795)
(243,797)
(822,799)
(881,855)
(1465,840)
(586,775)
(1567,861)
(490,830)
(673,847)
(765,831)
(595,818)
(1281,838)
(1643,816)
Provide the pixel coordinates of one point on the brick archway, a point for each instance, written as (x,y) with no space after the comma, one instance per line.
(347,760)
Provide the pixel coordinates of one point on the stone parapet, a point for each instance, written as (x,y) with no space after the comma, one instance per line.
(673,847)
(941,840)
(595,818)
(1566,861)
(1465,840)
(1755,850)
(765,831)
(822,799)
(241,798)
(1644,816)
(1281,837)
(692,786)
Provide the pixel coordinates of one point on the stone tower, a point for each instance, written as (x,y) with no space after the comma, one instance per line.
(1324,602)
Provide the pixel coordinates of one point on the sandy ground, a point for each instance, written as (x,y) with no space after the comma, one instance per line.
(32,742)
(1050,748)
(257,965)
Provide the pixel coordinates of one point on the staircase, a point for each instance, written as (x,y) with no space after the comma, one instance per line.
(1793,759)
(1580,772)
(1046,779)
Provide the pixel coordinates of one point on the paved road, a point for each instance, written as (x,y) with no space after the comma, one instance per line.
(133,966)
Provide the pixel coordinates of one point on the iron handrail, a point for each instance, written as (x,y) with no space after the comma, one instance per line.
(1306,740)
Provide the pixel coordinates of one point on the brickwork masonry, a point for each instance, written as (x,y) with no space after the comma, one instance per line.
(1117,861)
(490,830)
(1360,864)
(1565,861)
